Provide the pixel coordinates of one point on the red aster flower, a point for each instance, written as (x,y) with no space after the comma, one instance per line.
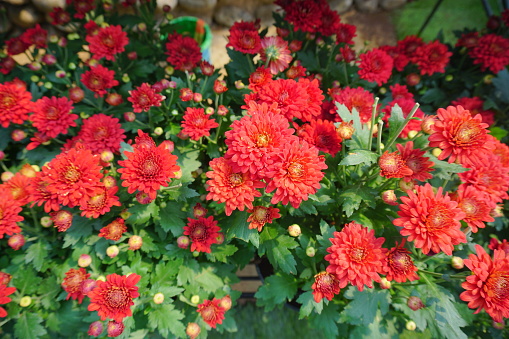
(73,177)
(101,133)
(244,37)
(144,97)
(98,79)
(392,165)
(431,220)
(261,215)
(113,298)
(356,256)
(202,232)
(496,244)
(400,91)
(314,100)
(488,287)
(399,266)
(475,106)
(432,58)
(36,36)
(275,53)
(72,283)
(322,134)
(91,27)
(476,205)
(39,193)
(325,286)
(296,173)
(259,78)
(18,186)
(414,159)
(375,66)
(460,136)
(355,98)
(255,140)
(468,40)
(491,52)
(197,124)
(211,312)
(7,64)
(183,52)
(302,15)
(345,34)
(199,210)
(236,189)
(108,42)
(14,104)
(147,169)
(59,16)
(4,299)
(114,230)
(53,116)
(9,213)
(295,72)
(81,7)
(100,203)
(501,150)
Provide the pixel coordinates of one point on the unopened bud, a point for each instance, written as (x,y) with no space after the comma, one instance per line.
(310,252)
(158,131)
(107,156)
(18,135)
(16,241)
(101,278)
(225,302)
(193,330)
(158,298)
(129,116)
(411,325)
(427,122)
(135,242)
(84,260)
(498,325)
(345,130)
(115,328)
(294,230)
(389,197)
(143,198)
(406,185)
(436,152)
(178,174)
(88,285)
(95,329)
(46,221)
(112,251)
(415,303)
(197,97)
(412,134)
(25,301)
(457,263)
(220,238)
(125,214)
(6,176)
(385,284)
(195,299)
(183,241)
(60,74)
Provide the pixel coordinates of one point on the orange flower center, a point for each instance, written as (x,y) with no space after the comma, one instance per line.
(7,101)
(143,100)
(1,214)
(100,133)
(97,201)
(95,82)
(52,113)
(150,167)
(262,140)
(358,254)
(498,286)
(469,206)
(438,218)
(260,214)
(117,297)
(296,170)
(236,179)
(108,40)
(467,133)
(72,174)
(208,313)
(400,261)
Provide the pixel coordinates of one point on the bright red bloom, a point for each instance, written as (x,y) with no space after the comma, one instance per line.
(72,283)
(236,189)
(475,106)
(303,15)
(460,136)
(295,72)
(113,298)
(98,79)
(36,36)
(144,97)
(183,52)
(414,159)
(392,165)
(244,37)
(211,312)
(100,203)
(355,98)
(296,173)
(314,100)
(39,193)
(53,116)
(502,151)
(4,299)
(101,133)
(491,52)
(432,57)
(114,230)
(399,266)
(356,256)
(196,123)
(431,220)
(322,134)
(259,78)
(18,186)
(203,232)
(146,169)
(400,91)
(261,215)
(375,66)
(275,52)
(488,287)
(346,33)
(330,20)
(476,205)
(14,104)
(9,213)
(325,286)
(107,42)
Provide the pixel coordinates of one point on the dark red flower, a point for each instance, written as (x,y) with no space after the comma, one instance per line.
(432,57)
(323,135)
(203,233)
(399,266)
(144,97)
(414,159)
(100,203)
(375,66)
(98,79)
(244,37)
(355,98)
(59,16)
(36,36)
(107,42)
(346,33)
(183,52)
(101,133)
(325,286)
(491,52)
(303,15)
(475,106)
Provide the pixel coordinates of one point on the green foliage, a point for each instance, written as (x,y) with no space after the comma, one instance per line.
(28,326)
(276,290)
(166,319)
(277,247)
(363,307)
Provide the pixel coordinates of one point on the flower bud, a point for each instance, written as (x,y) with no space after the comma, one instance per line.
(112,251)
(114,99)
(222,110)
(18,135)
(457,263)
(5,278)
(135,242)
(220,238)
(35,66)
(2,155)
(186,94)
(294,230)
(34,78)
(62,220)
(336,84)
(449,77)
(225,302)
(126,78)
(46,221)
(411,325)
(183,241)
(415,303)
(282,32)
(95,329)
(158,298)
(195,299)
(6,176)
(109,181)
(197,97)
(114,328)
(169,145)
(406,185)
(76,94)
(209,110)
(158,131)
(125,214)
(196,254)
(16,241)
(413,79)
(389,197)
(310,252)
(206,68)
(436,152)
(101,278)
(60,74)
(88,285)
(199,211)
(49,59)
(220,86)
(72,66)
(143,198)
(193,330)
(345,130)
(62,42)
(488,79)
(25,301)
(385,284)
(142,26)
(412,134)
(132,55)
(498,325)
(169,70)
(107,156)
(129,116)
(84,260)
(295,45)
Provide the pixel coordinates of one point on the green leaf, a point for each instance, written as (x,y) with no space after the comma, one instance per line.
(309,304)
(433,95)
(37,254)
(208,280)
(380,328)
(29,326)
(361,135)
(359,156)
(222,252)
(26,280)
(166,272)
(187,272)
(396,120)
(81,228)
(326,321)
(142,68)
(140,214)
(498,132)
(327,232)
(238,227)
(445,170)
(171,218)
(352,198)
(276,290)
(165,318)
(501,83)
(241,62)
(188,162)
(364,305)
(447,317)
(277,246)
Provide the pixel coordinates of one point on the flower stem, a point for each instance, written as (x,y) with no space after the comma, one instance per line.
(372,126)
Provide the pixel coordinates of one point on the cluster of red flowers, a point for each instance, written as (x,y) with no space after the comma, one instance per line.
(212,311)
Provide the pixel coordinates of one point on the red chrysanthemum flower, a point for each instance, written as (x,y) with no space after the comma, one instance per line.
(9,213)
(261,215)
(325,286)
(62,220)
(330,20)
(432,57)
(101,133)
(236,189)
(355,98)
(144,140)
(146,169)
(14,104)
(4,299)
(7,64)
(488,287)
(16,46)
(203,232)
(501,150)
(36,36)
(259,78)
(113,298)
(296,174)
(303,15)
(414,159)
(73,177)
(53,116)
(375,66)
(400,91)
(346,33)
(356,256)
(275,52)
(468,40)
(72,283)
(496,244)
(98,79)
(475,106)
(39,193)
(244,37)
(18,186)
(295,72)
(255,140)
(211,312)
(461,137)
(322,134)
(144,97)
(406,105)
(431,220)
(183,52)
(476,205)
(114,230)
(392,165)
(398,265)
(491,52)
(59,16)
(107,42)
(101,203)
(314,100)
(196,123)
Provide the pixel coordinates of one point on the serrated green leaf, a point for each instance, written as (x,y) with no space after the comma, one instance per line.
(327,232)
(309,304)
(165,318)
(166,272)
(37,254)
(359,156)
(238,227)
(142,68)
(380,328)
(222,252)
(277,247)
(326,321)
(140,214)
(80,228)
(396,120)
(26,280)
(361,135)
(172,218)
(188,162)
(49,289)
(28,326)
(498,132)
(208,280)
(447,317)
(352,198)
(276,290)
(445,170)
(433,95)
(364,305)
(187,272)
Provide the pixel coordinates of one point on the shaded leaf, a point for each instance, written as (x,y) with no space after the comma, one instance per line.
(359,156)
(37,254)
(165,318)
(364,305)
(276,290)
(172,218)
(238,227)
(309,304)
(277,247)
(29,326)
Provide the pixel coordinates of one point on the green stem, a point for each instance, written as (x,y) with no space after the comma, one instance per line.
(372,127)
(251,65)
(410,115)
(379,137)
